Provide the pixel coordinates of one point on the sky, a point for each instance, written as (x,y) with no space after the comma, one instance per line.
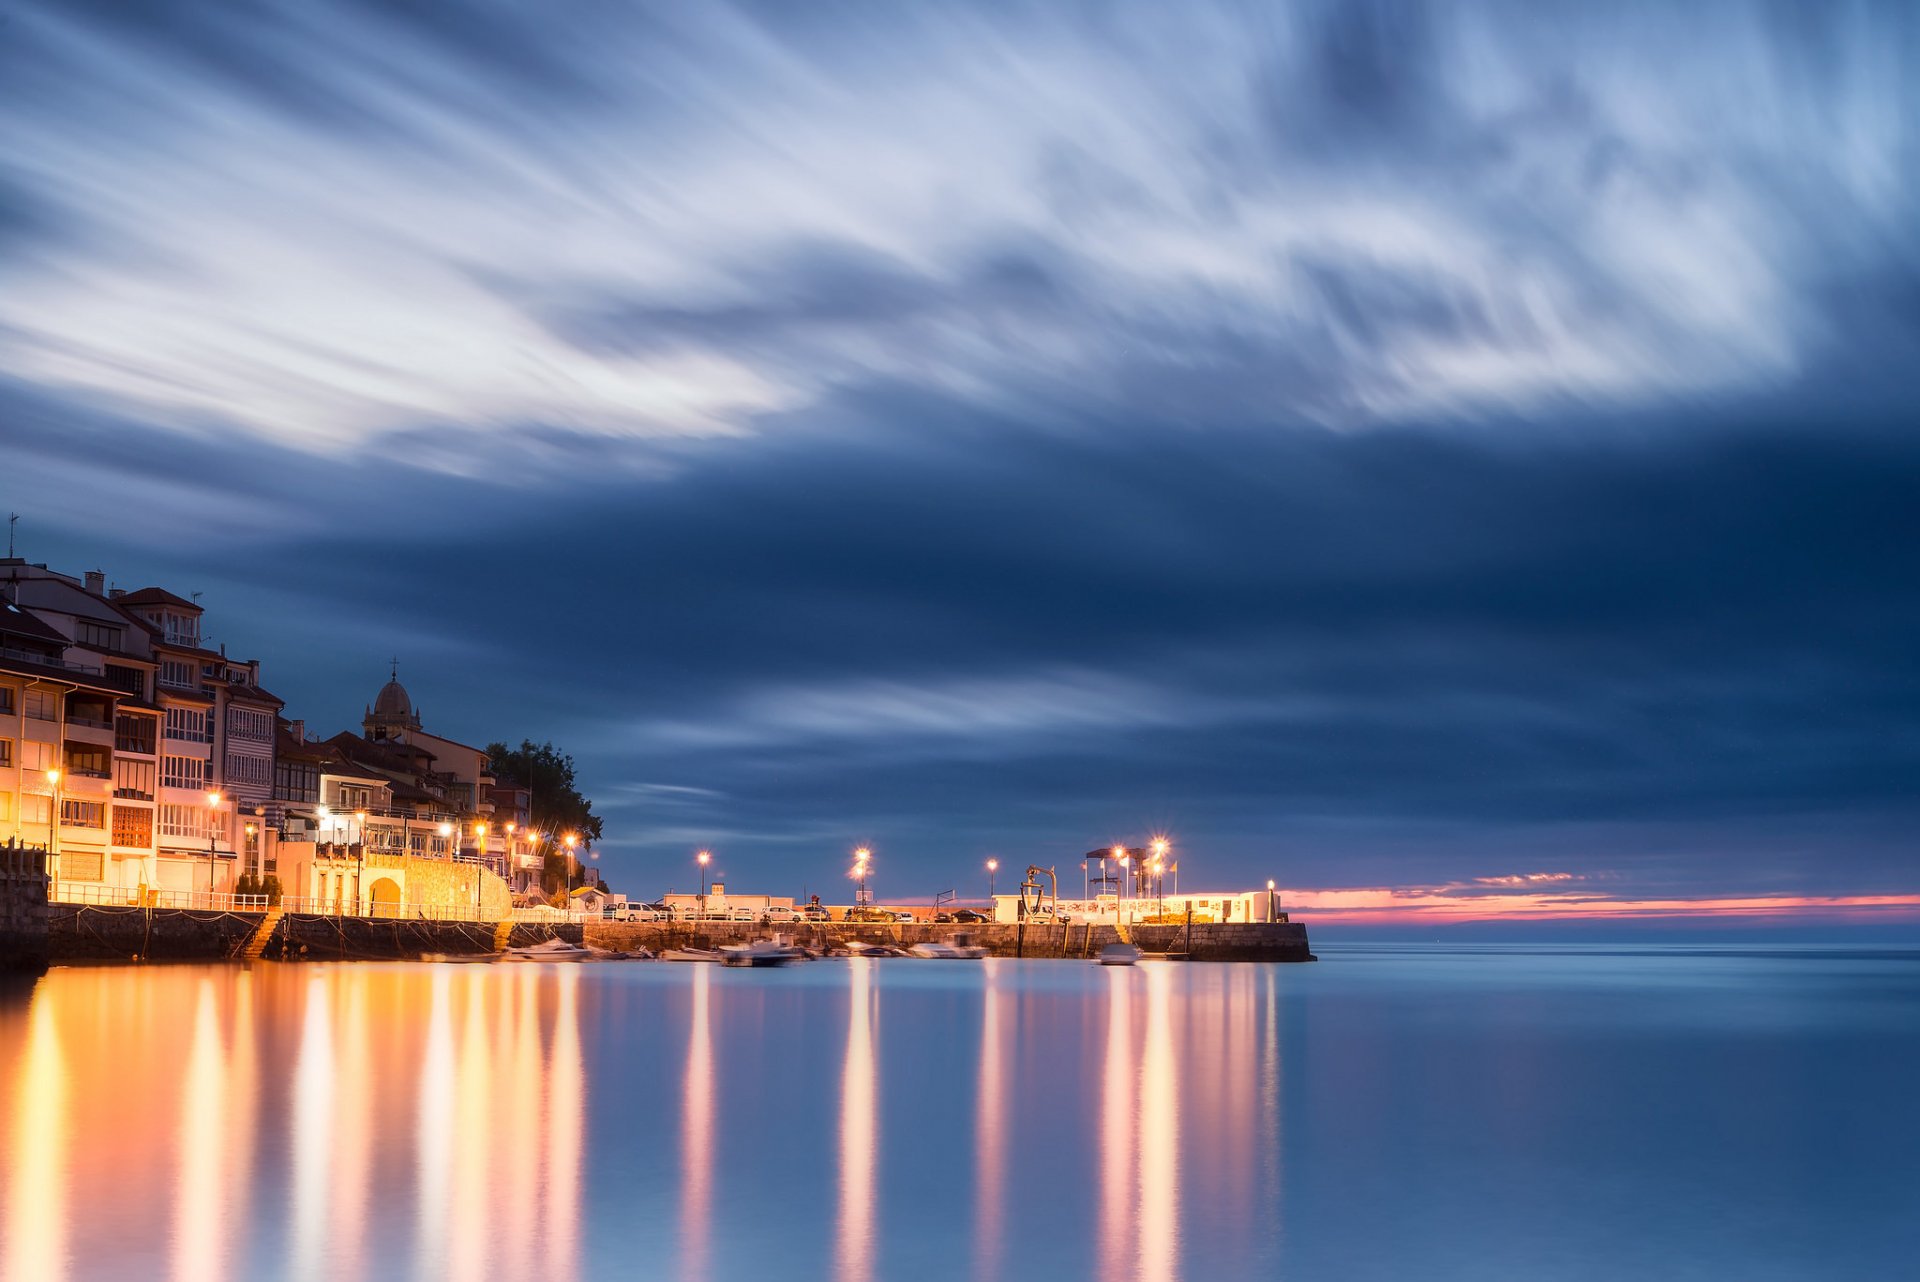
(1456,460)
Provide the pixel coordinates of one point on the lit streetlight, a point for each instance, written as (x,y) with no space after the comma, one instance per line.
(53,814)
(861,858)
(993,866)
(213,808)
(572,840)
(1121,855)
(703,859)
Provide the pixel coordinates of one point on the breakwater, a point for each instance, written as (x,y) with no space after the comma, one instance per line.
(97,933)
(1203,941)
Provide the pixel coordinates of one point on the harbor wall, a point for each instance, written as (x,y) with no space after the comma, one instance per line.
(1212,941)
(23,908)
(99,933)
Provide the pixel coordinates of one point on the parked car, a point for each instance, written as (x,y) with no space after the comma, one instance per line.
(962,917)
(777,913)
(740,914)
(869,914)
(814,912)
(903,915)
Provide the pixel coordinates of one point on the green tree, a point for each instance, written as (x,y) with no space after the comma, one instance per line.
(547,774)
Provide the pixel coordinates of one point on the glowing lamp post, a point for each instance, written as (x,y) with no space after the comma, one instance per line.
(1270,905)
(213,810)
(53,813)
(703,859)
(572,840)
(861,859)
(1120,858)
(993,866)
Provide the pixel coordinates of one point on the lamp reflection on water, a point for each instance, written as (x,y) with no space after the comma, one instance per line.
(566,1105)
(313,1088)
(433,1149)
(36,1211)
(1117,1150)
(199,1224)
(990,1133)
(857,1129)
(1159,1135)
(696,1136)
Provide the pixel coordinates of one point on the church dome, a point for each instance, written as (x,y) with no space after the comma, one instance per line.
(392,701)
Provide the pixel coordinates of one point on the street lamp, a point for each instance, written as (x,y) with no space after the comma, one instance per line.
(860,860)
(1270,899)
(480,842)
(213,806)
(993,866)
(1120,853)
(53,814)
(571,841)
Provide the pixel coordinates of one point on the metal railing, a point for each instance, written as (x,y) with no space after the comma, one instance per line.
(67,892)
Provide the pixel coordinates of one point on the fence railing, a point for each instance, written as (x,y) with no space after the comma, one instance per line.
(68,892)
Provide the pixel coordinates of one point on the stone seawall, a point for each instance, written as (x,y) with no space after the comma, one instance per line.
(96,933)
(1256,941)
(23,909)
(93,933)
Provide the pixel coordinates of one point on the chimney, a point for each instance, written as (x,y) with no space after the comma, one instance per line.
(298,729)
(116,592)
(97,582)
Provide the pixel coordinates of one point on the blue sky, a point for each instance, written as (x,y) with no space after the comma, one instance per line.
(1377,444)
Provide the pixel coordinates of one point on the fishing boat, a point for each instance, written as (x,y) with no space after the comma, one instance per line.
(761,952)
(1119,955)
(690,955)
(547,950)
(952,948)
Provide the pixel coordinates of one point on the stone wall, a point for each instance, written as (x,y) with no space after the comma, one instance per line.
(1254,941)
(315,937)
(23,908)
(438,883)
(92,932)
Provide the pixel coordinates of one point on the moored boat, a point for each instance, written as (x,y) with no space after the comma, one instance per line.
(690,955)
(547,950)
(952,948)
(761,952)
(1119,955)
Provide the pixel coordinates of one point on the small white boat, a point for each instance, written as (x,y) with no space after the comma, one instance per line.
(1119,955)
(690,955)
(547,950)
(761,952)
(952,948)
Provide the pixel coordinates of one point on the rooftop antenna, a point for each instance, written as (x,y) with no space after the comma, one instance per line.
(13,519)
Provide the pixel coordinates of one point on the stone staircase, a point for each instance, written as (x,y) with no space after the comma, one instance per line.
(502,933)
(257,942)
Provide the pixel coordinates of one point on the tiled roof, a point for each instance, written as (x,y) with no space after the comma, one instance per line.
(156,596)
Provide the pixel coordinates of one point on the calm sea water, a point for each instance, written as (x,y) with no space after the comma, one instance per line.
(1387,1113)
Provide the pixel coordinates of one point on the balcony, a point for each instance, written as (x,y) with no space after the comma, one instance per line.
(90,720)
(91,732)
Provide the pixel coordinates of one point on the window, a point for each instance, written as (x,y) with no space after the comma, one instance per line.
(43,705)
(36,810)
(134,734)
(36,757)
(188,724)
(132,779)
(177,674)
(248,769)
(183,772)
(81,865)
(82,814)
(185,821)
(97,636)
(296,781)
(6,753)
(6,806)
(132,825)
(249,723)
(132,680)
(89,761)
(6,700)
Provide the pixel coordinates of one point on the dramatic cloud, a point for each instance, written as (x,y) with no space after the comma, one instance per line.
(1381,444)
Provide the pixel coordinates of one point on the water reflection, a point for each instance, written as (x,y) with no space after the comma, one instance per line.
(990,1133)
(474,1123)
(857,1129)
(37,1192)
(696,1135)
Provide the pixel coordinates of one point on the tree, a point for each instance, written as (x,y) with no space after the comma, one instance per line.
(547,774)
